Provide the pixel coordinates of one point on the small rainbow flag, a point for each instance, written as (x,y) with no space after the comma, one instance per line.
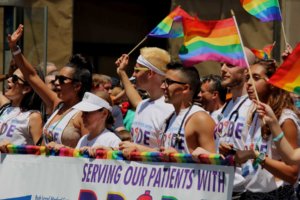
(216,40)
(264,10)
(265,53)
(287,76)
(171,26)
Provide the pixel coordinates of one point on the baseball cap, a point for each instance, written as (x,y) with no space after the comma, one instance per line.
(91,102)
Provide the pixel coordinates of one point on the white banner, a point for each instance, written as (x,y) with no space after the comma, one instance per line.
(29,177)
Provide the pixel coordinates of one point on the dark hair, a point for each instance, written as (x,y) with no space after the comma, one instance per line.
(82,72)
(189,74)
(31,100)
(215,85)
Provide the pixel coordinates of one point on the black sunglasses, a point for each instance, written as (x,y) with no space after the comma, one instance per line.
(168,82)
(61,79)
(15,78)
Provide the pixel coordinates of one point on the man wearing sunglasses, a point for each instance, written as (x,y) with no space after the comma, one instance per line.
(151,113)
(190,126)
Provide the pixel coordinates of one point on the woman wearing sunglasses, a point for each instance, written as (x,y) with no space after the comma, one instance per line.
(65,125)
(20,118)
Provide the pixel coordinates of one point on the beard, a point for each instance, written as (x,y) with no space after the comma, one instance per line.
(231,83)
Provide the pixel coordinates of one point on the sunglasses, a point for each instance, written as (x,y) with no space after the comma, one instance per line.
(15,78)
(136,69)
(169,82)
(61,79)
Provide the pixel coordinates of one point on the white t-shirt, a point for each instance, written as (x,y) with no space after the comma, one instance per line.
(106,138)
(174,125)
(215,114)
(14,126)
(232,128)
(149,120)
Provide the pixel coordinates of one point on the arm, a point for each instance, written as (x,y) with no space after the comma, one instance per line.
(117,98)
(287,52)
(199,132)
(288,153)
(277,168)
(131,92)
(35,126)
(48,96)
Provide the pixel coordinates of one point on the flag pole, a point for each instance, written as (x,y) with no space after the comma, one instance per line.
(282,26)
(283,33)
(245,57)
(136,46)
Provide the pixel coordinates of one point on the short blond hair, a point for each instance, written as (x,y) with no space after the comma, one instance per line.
(156,56)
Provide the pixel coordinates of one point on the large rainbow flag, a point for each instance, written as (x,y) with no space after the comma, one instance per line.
(211,40)
(287,75)
(171,26)
(264,10)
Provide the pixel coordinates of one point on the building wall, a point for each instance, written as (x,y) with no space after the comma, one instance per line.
(60,28)
(104,29)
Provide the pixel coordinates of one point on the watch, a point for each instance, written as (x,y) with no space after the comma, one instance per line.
(259,159)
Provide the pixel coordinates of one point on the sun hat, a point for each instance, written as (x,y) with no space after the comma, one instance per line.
(91,102)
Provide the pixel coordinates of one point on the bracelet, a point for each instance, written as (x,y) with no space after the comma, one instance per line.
(16,52)
(260,159)
(278,137)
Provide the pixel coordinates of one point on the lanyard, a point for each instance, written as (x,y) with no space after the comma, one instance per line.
(236,111)
(177,137)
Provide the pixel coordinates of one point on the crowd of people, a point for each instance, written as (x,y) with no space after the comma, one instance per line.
(163,107)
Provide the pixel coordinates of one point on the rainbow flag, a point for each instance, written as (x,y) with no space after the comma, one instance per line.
(265,53)
(211,40)
(287,76)
(171,26)
(264,10)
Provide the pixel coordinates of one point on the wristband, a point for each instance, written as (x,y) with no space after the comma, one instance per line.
(278,137)
(259,159)
(17,51)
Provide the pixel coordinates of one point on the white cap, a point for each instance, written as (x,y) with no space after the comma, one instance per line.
(91,102)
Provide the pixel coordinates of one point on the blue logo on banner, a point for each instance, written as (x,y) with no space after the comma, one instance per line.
(20,198)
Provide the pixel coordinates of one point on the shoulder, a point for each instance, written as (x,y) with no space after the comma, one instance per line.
(35,115)
(77,119)
(108,134)
(201,119)
(288,114)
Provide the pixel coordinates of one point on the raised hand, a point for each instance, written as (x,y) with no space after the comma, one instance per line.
(14,38)
(265,112)
(122,62)
(287,52)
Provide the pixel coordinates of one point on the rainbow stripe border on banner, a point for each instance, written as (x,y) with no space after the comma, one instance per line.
(214,159)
